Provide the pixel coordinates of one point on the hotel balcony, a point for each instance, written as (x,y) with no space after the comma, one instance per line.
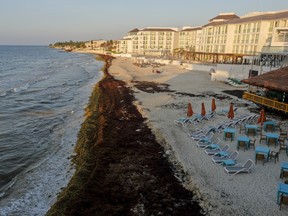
(275,49)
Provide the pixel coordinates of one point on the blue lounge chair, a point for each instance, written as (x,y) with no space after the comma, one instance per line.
(246,168)
(215,151)
(219,159)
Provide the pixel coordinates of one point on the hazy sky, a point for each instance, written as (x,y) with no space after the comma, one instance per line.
(48,21)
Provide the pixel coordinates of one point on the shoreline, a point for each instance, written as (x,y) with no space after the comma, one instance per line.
(120,167)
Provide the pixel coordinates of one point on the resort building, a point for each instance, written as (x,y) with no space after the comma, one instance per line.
(124,45)
(227,38)
(93,44)
(189,38)
(152,41)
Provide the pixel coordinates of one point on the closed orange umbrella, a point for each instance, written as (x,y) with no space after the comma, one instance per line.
(203,111)
(231,111)
(262,117)
(190,110)
(213,105)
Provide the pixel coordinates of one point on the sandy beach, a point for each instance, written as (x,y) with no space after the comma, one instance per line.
(254,193)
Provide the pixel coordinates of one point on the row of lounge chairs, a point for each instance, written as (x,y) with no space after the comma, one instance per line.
(220,155)
(236,82)
(217,128)
(195,119)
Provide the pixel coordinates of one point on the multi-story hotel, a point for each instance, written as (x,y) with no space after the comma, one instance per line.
(189,38)
(225,34)
(150,41)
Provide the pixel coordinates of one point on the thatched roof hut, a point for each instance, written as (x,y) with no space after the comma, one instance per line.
(276,80)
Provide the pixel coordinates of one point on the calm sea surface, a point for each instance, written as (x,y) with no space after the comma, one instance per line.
(43,93)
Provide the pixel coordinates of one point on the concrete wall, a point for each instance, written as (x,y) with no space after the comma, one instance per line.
(224,71)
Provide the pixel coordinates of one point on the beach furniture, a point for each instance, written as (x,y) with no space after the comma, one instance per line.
(252,143)
(284,170)
(282,190)
(262,150)
(260,157)
(283,200)
(274,155)
(228,162)
(262,136)
(251,129)
(215,151)
(200,135)
(204,144)
(184,121)
(283,133)
(269,125)
(272,138)
(219,159)
(283,146)
(243,141)
(242,129)
(224,112)
(238,168)
(229,133)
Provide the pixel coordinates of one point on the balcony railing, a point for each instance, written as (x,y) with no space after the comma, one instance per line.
(266,102)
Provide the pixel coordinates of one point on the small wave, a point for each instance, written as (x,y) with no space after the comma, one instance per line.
(3,94)
(20,88)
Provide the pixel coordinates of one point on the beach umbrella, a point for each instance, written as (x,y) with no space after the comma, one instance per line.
(203,111)
(262,117)
(213,105)
(231,111)
(190,110)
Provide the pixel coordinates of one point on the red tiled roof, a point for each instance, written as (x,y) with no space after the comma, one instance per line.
(273,80)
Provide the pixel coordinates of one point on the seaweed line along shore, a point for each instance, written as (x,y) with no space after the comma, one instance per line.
(121,169)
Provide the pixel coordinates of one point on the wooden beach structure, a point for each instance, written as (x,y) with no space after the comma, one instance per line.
(269,89)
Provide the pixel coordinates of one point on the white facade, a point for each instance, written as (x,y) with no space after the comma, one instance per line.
(153,41)
(226,33)
(189,38)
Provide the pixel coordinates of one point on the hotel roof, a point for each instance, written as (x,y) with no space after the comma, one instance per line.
(191,29)
(158,29)
(254,17)
(225,16)
(134,30)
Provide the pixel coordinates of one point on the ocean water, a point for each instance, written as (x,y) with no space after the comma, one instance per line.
(43,94)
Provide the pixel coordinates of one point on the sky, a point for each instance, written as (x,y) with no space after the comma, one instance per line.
(43,22)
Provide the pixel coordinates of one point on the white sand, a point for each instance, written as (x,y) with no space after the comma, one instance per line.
(218,192)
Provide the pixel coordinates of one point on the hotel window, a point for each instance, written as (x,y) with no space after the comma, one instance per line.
(256,38)
(270,27)
(276,24)
(246,49)
(252,38)
(249,28)
(258,27)
(247,38)
(244,28)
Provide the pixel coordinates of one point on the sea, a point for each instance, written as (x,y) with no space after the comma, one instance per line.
(43,95)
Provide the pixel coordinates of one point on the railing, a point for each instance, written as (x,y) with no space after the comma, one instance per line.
(266,102)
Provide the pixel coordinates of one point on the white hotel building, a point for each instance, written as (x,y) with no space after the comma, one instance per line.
(226,33)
